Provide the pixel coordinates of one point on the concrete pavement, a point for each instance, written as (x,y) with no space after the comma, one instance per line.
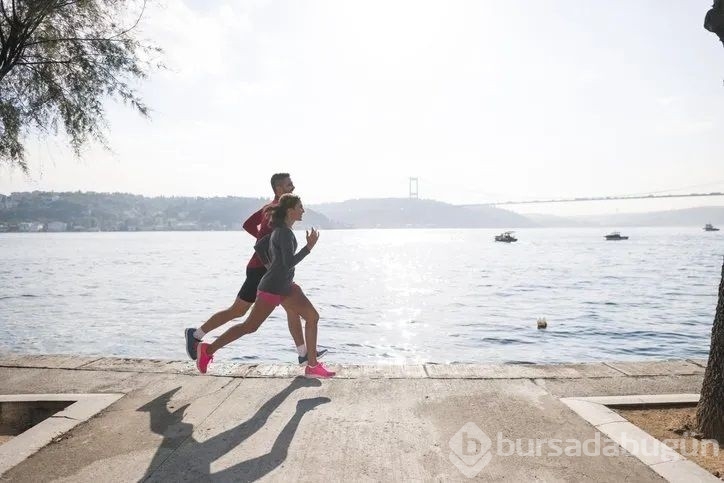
(248,422)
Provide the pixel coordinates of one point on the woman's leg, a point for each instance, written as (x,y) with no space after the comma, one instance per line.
(259,313)
(299,303)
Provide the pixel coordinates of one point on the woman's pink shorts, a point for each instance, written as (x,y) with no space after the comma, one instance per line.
(272,298)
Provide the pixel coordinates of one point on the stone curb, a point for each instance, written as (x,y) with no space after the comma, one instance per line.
(372,371)
(656,455)
(29,442)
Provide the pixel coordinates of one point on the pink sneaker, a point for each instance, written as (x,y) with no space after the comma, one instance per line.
(318,371)
(203,359)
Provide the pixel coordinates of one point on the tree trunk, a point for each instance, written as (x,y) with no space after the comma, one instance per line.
(710,412)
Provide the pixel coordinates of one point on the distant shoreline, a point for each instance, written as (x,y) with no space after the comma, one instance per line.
(92,212)
(302,228)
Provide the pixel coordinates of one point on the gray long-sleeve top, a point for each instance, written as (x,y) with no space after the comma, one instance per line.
(280,274)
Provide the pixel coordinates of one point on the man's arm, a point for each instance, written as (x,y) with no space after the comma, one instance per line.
(251,225)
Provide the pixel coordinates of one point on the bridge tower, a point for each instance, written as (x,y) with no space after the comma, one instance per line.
(414,193)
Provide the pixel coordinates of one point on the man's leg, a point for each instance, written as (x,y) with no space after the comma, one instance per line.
(244,300)
(299,303)
(194,335)
(258,315)
(237,309)
(262,309)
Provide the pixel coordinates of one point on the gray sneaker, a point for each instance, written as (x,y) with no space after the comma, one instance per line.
(303,360)
(191,342)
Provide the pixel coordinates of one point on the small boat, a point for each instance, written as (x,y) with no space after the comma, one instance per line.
(616,236)
(710,227)
(506,237)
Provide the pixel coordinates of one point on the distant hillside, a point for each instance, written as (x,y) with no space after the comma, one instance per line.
(411,213)
(685,217)
(78,211)
(552,221)
(125,212)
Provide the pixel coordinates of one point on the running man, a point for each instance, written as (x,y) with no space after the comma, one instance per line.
(257,226)
(277,287)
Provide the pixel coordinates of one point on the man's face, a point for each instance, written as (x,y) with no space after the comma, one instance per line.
(285,186)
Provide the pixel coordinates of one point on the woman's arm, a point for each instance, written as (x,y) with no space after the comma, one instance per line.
(286,249)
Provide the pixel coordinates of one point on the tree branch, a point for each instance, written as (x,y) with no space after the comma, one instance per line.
(74,39)
(112,38)
(138,20)
(2,32)
(31,25)
(43,62)
(2,10)
(50,80)
(5,14)
(58,60)
(59,6)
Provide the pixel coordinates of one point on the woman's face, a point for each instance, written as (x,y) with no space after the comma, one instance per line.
(297,212)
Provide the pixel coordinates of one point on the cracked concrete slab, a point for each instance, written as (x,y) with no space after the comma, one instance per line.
(658,368)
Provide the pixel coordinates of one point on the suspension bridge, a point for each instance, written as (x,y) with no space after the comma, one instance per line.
(414,194)
(598,198)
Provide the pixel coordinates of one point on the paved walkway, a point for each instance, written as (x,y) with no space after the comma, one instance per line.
(247,422)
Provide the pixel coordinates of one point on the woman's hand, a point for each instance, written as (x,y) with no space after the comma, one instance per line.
(312,238)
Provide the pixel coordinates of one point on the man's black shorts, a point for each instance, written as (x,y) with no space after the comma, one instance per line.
(253,277)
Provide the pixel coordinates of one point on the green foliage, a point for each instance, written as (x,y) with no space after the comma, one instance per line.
(59,59)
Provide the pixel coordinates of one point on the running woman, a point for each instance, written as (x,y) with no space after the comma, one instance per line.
(257,226)
(277,287)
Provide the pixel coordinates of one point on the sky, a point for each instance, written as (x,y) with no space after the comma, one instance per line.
(483,100)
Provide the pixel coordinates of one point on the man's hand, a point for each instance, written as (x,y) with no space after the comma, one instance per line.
(312,238)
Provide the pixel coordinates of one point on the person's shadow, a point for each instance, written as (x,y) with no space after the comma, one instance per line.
(197,467)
